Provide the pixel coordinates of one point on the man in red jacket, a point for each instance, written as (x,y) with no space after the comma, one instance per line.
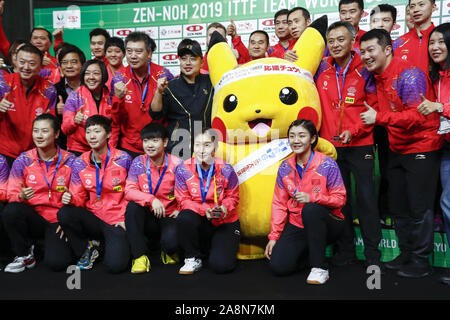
(413,46)
(283,34)
(352,11)
(133,90)
(344,85)
(414,150)
(23,96)
(298,20)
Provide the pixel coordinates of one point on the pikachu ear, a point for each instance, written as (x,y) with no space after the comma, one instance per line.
(311,45)
(220,57)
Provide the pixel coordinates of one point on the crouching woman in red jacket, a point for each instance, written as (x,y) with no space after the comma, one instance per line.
(37,189)
(207,190)
(306,207)
(97,206)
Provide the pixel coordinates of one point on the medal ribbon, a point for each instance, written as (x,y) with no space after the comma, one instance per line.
(149,175)
(204,188)
(99,182)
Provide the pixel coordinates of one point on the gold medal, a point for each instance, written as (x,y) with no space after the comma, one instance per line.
(98,203)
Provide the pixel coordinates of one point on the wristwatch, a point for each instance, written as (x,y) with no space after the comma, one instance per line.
(440,108)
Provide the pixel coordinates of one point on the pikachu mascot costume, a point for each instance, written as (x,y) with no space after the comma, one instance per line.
(253,106)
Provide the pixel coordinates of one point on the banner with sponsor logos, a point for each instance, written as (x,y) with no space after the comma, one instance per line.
(168,22)
(390,250)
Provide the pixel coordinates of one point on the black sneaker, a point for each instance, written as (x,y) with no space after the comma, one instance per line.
(395,264)
(341,259)
(445,278)
(414,269)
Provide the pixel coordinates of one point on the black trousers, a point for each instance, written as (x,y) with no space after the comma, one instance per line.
(24,225)
(381,140)
(321,228)
(198,237)
(361,162)
(80,225)
(413,181)
(142,224)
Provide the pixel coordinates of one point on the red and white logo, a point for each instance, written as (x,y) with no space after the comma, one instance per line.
(268,23)
(170,57)
(194,28)
(123,32)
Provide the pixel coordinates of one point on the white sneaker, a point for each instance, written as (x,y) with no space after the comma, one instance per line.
(318,276)
(21,263)
(190,266)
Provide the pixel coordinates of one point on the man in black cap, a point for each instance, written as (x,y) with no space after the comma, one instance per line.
(186,101)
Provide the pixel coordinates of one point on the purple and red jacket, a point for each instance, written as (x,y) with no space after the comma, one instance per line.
(322,181)
(225,185)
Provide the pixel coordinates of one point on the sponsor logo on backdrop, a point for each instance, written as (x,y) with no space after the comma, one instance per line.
(169,45)
(166,32)
(267,25)
(122,33)
(194,30)
(151,31)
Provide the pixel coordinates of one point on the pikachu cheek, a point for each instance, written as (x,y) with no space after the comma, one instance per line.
(218,124)
(309,113)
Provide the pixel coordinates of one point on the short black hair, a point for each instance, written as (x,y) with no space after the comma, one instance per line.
(31,49)
(280,13)
(385,8)
(308,125)
(136,36)
(55,124)
(305,12)
(115,42)
(70,48)
(383,37)
(49,34)
(99,32)
(98,119)
(102,66)
(154,130)
(262,32)
(359,2)
(350,28)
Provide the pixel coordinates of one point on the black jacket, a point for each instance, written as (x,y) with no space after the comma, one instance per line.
(186,106)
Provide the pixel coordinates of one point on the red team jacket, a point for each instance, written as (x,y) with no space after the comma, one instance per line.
(17,123)
(112,207)
(413,49)
(358,87)
(278,51)
(322,181)
(29,170)
(128,112)
(76,135)
(225,185)
(4,175)
(442,93)
(137,187)
(398,90)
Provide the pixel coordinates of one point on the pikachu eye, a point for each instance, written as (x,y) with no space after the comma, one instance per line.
(288,95)
(230,103)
